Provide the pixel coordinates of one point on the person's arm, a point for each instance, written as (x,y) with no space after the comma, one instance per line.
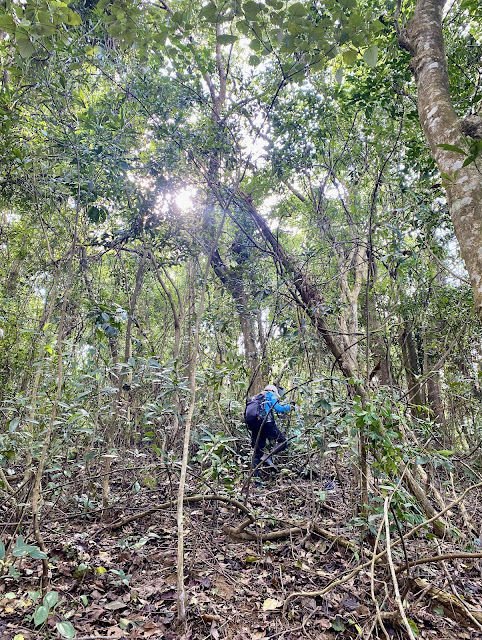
(272,401)
(282,408)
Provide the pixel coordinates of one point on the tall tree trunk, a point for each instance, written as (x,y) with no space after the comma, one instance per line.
(423,38)
(233,282)
(410,364)
(124,382)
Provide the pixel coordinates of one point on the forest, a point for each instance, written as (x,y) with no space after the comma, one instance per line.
(204,202)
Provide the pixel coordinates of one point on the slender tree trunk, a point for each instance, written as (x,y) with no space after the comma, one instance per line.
(423,37)
(124,382)
(410,364)
(181,592)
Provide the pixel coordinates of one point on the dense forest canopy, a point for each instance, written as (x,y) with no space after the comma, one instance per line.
(198,199)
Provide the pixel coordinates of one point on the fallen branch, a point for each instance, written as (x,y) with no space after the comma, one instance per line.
(251,535)
(440,558)
(172,503)
(447,600)
(241,533)
(339,581)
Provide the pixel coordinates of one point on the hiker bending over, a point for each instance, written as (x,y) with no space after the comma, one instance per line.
(261,423)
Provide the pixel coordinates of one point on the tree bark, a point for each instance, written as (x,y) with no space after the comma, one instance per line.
(410,364)
(423,38)
(233,282)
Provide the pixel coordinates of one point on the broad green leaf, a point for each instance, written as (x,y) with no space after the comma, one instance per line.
(255,45)
(7,24)
(50,599)
(226,39)
(297,9)
(453,148)
(2,550)
(350,57)
(65,629)
(371,56)
(21,549)
(35,553)
(251,9)
(338,624)
(25,47)
(97,214)
(40,616)
(74,19)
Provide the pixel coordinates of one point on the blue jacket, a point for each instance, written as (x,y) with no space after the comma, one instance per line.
(271,402)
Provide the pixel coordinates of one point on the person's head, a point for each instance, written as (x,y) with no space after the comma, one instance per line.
(272,388)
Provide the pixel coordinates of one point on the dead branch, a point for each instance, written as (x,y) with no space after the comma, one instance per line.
(335,583)
(447,600)
(166,505)
(439,558)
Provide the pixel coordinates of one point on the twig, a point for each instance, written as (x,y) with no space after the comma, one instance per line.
(372,584)
(398,599)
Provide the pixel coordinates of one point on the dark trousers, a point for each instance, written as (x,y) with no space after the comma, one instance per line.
(269,431)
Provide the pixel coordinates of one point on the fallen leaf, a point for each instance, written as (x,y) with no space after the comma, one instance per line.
(214,630)
(270,604)
(114,606)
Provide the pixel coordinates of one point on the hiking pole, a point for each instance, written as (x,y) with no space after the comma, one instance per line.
(301,423)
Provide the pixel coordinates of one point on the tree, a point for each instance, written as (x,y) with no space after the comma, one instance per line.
(455,143)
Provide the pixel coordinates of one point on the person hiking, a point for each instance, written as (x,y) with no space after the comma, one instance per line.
(262,426)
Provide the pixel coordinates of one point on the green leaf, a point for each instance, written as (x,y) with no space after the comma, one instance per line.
(297,9)
(97,214)
(255,45)
(453,148)
(338,624)
(350,57)
(251,9)
(50,599)
(21,549)
(2,550)
(371,56)
(469,160)
(25,47)
(7,24)
(226,39)
(40,616)
(74,19)
(413,627)
(65,629)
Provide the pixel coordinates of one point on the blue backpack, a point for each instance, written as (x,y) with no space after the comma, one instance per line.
(255,412)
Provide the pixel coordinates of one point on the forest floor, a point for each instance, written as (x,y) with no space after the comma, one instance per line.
(120,581)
